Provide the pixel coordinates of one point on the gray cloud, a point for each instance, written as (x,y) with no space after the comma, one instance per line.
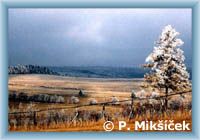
(97,37)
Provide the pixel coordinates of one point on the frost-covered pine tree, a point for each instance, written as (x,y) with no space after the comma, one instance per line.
(168,71)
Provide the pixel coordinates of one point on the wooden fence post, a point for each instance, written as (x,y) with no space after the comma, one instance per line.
(34,118)
(103,111)
(20,119)
(76,114)
(132,109)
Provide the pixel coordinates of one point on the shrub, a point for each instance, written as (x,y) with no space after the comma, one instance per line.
(114,100)
(74,100)
(92,101)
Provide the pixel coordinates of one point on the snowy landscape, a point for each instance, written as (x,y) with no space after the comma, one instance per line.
(81,98)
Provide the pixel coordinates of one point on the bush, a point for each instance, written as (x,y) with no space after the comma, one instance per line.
(37,98)
(81,93)
(74,100)
(92,101)
(114,100)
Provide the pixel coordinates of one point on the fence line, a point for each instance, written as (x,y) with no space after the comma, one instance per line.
(102,103)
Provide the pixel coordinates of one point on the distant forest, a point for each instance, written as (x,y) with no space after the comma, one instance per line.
(83,71)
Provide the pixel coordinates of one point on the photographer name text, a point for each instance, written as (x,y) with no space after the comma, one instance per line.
(161,125)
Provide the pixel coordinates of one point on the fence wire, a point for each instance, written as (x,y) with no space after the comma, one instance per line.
(102,103)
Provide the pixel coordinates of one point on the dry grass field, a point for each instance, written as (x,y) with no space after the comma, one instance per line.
(102,90)
(68,86)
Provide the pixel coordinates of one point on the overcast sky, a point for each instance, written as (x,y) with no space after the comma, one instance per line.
(91,37)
